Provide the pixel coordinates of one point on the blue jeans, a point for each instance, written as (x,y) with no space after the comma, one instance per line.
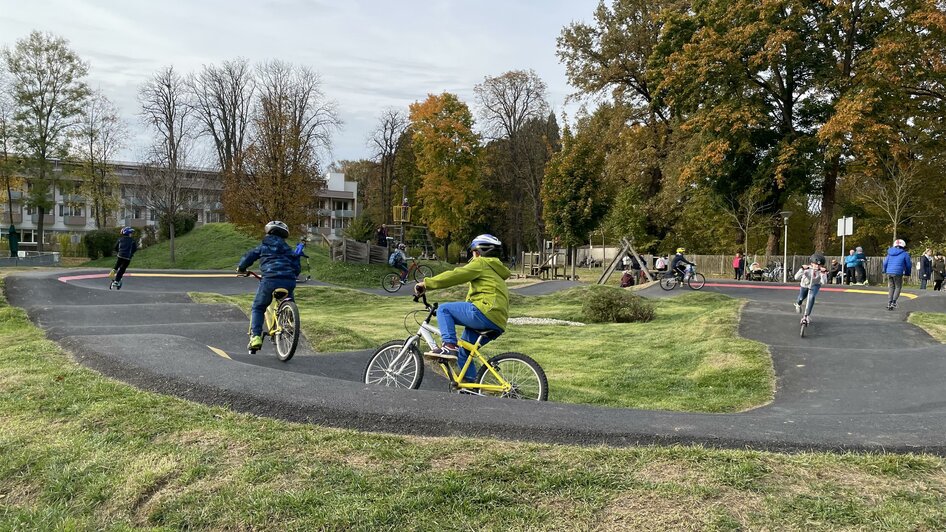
(449,315)
(404,269)
(803,293)
(264,296)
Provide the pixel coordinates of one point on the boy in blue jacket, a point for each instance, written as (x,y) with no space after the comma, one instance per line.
(279,267)
(125,249)
(896,265)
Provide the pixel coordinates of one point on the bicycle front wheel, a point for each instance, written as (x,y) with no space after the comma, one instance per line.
(422,272)
(287,337)
(668,282)
(526,376)
(389,367)
(391,282)
(696,281)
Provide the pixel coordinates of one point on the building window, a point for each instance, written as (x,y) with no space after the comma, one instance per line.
(137,213)
(70,210)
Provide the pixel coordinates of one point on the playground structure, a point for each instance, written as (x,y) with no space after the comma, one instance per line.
(626,250)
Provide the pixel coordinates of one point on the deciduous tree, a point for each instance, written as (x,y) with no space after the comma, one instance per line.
(222,100)
(48,95)
(99,137)
(384,144)
(292,124)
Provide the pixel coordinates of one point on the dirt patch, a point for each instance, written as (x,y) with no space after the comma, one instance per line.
(670,473)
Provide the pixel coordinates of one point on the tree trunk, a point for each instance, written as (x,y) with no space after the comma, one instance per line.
(771,247)
(40,227)
(829,195)
(171,240)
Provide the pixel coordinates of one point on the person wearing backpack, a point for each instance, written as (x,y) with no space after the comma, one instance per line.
(399,260)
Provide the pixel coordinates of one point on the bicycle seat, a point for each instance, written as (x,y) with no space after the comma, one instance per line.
(280,293)
(488,333)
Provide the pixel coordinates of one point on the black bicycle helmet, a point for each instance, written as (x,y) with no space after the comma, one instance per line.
(818,258)
(277,228)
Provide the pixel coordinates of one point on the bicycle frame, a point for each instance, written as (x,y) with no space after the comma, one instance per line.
(271,325)
(428,333)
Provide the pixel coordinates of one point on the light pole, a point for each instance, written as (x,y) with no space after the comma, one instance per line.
(785,215)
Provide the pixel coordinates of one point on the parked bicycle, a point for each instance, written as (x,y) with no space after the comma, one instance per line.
(391,282)
(281,322)
(399,364)
(689,277)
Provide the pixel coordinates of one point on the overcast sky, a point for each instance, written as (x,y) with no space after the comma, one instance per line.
(370,54)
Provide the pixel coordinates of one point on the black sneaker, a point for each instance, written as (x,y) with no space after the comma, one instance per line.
(443,353)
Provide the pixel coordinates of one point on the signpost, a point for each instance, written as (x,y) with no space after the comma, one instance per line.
(785,215)
(845,228)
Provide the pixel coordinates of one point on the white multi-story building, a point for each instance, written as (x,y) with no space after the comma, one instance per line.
(72,214)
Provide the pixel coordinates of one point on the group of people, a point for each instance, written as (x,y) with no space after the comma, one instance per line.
(632,268)
(486,307)
(932,267)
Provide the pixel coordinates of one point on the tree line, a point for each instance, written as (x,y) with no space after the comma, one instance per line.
(269,126)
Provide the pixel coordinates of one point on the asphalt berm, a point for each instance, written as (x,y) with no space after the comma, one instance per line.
(863,378)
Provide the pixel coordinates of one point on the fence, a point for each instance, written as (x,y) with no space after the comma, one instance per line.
(31,258)
(348,250)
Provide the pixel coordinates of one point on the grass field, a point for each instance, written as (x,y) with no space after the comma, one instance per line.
(932,322)
(220,247)
(82,452)
(689,358)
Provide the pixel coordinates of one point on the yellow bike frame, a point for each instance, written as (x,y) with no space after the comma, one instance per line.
(270,324)
(474,352)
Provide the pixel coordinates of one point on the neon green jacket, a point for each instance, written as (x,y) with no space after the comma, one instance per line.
(488,293)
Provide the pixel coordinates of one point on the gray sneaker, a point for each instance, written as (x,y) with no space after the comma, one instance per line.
(798,307)
(442,353)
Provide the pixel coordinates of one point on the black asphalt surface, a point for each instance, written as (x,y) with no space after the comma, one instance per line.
(862,379)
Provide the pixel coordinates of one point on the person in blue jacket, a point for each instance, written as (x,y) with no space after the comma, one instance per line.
(850,268)
(896,265)
(279,267)
(861,267)
(125,249)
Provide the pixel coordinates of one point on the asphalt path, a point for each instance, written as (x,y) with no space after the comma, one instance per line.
(862,379)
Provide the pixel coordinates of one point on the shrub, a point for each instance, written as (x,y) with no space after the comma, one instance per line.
(604,304)
(361,229)
(101,242)
(183,223)
(453,253)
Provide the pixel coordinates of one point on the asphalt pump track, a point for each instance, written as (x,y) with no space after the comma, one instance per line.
(862,379)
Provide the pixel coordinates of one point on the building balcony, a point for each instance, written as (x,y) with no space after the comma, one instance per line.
(15,218)
(48,219)
(323,212)
(16,195)
(343,214)
(73,198)
(136,222)
(74,220)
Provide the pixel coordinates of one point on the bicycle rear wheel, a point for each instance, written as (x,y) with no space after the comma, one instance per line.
(668,283)
(422,272)
(696,281)
(526,376)
(287,339)
(391,282)
(388,367)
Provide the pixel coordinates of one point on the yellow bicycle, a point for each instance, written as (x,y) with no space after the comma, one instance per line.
(399,364)
(280,322)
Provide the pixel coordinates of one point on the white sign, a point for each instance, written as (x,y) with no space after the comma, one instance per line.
(846,226)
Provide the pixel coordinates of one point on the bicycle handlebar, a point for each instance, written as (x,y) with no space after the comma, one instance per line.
(250,273)
(423,296)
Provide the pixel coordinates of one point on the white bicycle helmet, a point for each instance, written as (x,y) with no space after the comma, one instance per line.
(487,245)
(277,228)
(899,243)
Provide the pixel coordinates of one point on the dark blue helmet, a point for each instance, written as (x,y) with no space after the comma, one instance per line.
(127,231)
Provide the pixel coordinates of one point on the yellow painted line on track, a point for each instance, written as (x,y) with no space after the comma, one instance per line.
(203,275)
(220,352)
(856,291)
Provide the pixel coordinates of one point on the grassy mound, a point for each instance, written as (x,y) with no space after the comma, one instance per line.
(220,247)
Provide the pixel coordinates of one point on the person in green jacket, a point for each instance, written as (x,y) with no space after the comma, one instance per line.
(487,303)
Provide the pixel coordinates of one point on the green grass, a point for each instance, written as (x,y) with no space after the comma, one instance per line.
(220,247)
(932,322)
(82,452)
(689,358)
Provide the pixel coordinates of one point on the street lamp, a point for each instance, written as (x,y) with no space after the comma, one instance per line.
(785,215)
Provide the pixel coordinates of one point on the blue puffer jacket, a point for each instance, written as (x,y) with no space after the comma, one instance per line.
(897,262)
(277,260)
(850,261)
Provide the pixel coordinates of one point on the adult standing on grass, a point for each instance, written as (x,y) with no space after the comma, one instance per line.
(939,271)
(926,268)
(896,265)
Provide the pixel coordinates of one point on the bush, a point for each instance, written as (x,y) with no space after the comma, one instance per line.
(183,224)
(101,242)
(453,253)
(361,229)
(612,305)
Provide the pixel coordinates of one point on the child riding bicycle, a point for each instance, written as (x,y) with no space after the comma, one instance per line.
(487,303)
(812,276)
(678,259)
(398,259)
(279,266)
